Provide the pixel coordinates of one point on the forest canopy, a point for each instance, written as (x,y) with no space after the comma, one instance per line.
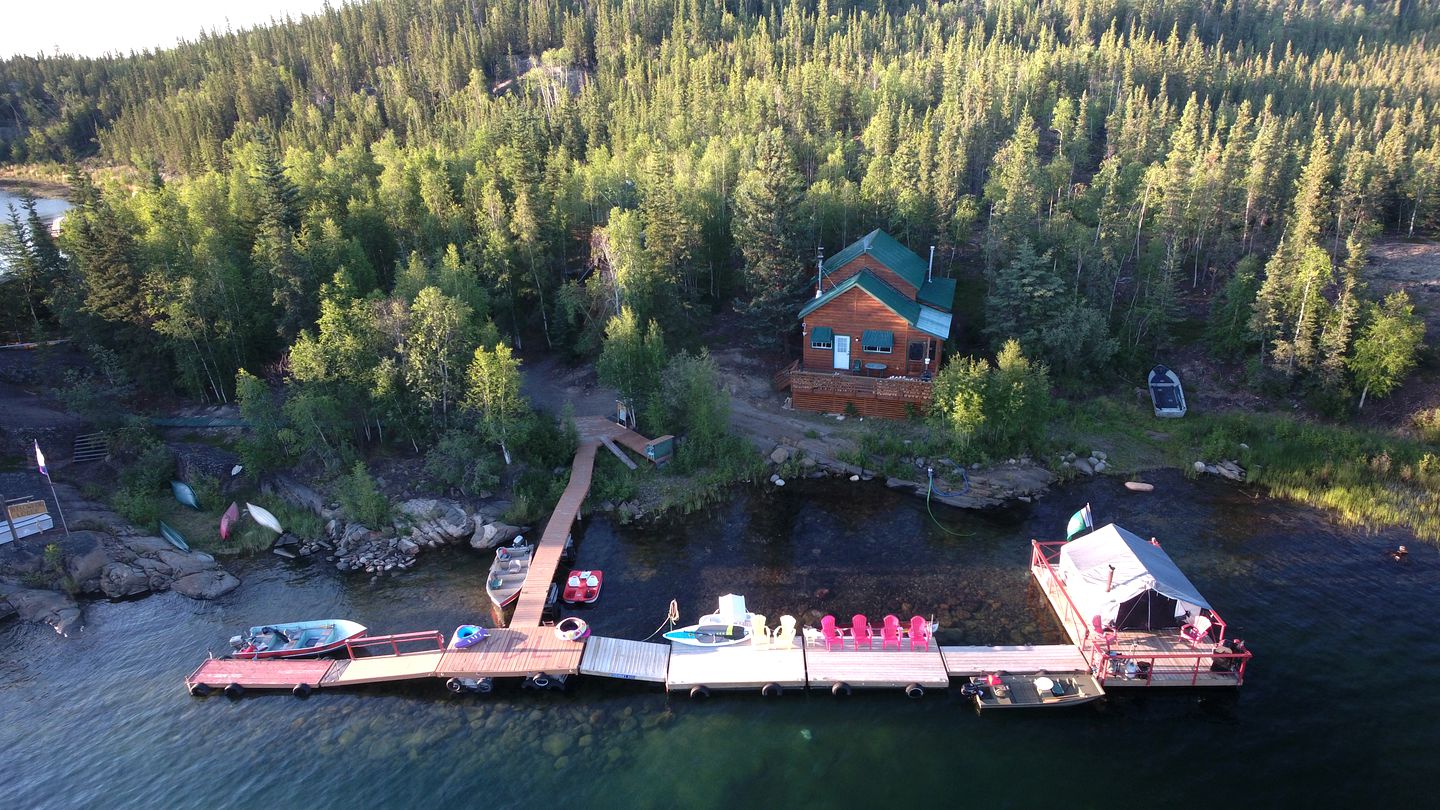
(459,174)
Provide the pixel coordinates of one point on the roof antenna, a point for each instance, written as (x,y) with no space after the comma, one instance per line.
(819,268)
(930,269)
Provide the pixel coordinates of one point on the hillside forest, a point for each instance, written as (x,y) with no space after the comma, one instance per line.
(376,206)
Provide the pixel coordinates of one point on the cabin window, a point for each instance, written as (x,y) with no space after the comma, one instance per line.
(877,342)
(822,337)
(917,351)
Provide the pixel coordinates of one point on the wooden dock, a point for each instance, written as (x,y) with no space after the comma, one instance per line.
(740,666)
(514,652)
(625,659)
(545,560)
(1164,659)
(1024,659)
(876,668)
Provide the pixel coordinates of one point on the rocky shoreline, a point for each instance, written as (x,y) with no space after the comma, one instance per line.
(117,562)
(983,488)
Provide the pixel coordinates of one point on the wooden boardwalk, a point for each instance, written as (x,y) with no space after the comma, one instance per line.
(625,659)
(876,668)
(1025,659)
(513,652)
(378,669)
(545,560)
(740,666)
(266,673)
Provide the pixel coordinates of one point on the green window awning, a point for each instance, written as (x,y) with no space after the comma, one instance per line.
(876,339)
(822,334)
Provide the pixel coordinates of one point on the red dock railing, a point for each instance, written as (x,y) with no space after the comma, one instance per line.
(1104,660)
(394,642)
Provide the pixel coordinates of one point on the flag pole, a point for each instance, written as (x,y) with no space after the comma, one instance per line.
(56,496)
(45,471)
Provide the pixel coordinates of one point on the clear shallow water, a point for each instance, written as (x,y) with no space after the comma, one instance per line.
(1336,708)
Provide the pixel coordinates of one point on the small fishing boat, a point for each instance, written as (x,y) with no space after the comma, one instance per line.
(508,572)
(184,494)
(175,538)
(582,586)
(1139,486)
(228,520)
(264,518)
(1032,691)
(468,635)
(295,639)
(710,635)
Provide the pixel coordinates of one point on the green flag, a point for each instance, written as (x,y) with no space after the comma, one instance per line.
(1079,522)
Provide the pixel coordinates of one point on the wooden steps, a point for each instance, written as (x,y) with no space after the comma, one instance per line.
(615,449)
(91,447)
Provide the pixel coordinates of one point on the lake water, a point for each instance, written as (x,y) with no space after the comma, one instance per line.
(1339,704)
(48,208)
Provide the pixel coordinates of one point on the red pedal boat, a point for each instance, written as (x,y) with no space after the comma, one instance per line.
(582,586)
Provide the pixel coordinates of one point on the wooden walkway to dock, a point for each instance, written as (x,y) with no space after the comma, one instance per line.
(625,659)
(1025,659)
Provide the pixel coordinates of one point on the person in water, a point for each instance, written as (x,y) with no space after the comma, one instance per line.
(1400,553)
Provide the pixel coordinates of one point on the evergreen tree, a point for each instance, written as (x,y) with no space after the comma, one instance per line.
(767,234)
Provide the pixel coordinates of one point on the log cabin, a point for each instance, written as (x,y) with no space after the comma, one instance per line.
(873,335)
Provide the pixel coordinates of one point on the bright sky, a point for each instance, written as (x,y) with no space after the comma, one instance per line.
(96,27)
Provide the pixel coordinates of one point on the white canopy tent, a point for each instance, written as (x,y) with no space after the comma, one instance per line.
(1113,574)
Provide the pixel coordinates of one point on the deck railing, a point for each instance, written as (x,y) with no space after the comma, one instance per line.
(907,389)
(1096,647)
(395,641)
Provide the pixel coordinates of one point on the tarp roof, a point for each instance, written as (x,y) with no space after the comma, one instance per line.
(927,319)
(1138,566)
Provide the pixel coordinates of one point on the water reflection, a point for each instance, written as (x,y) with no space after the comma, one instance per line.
(1334,709)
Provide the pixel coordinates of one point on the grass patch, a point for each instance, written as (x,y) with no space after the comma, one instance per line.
(1364,477)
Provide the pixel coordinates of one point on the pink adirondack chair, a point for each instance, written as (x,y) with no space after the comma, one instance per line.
(860,629)
(919,633)
(890,634)
(831,634)
(1197,632)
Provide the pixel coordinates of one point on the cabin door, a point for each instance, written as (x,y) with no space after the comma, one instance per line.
(842,352)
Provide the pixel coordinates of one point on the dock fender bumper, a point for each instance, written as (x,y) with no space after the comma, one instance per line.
(455,686)
(772,690)
(699,693)
(840,689)
(234,691)
(302,690)
(198,689)
(914,691)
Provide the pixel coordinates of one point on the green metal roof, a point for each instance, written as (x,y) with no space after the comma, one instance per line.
(879,338)
(926,319)
(888,252)
(822,334)
(939,293)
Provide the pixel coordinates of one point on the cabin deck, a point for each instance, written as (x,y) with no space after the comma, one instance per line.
(740,666)
(625,659)
(876,668)
(1025,659)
